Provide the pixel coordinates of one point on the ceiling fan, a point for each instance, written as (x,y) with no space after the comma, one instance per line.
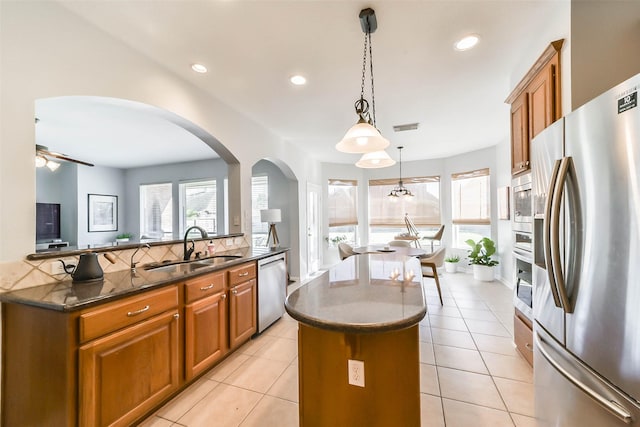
(43,154)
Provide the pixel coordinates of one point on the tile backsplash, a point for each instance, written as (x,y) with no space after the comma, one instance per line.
(29,273)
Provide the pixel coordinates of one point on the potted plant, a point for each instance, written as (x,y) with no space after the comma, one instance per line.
(124,237)
(451,263)
(480,258)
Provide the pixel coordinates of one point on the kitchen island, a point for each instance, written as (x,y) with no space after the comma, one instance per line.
(358,342)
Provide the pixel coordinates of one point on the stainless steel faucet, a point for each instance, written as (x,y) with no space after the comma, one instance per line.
(133,264)
(188,252)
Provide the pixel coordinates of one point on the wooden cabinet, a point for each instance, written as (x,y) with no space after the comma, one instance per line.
(523,336)
(242,304)
(535,104)
(127,373)
(206,326)
(115,362)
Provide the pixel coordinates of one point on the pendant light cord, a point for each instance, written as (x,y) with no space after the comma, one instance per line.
(373,96)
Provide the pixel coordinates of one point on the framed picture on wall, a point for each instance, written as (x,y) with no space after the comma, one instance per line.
(503,202)
(103,212)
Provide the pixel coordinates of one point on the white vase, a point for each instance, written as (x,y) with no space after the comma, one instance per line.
(450,267)
(483,273)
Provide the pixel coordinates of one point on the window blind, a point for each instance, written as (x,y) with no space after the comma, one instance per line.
(470,196)
(423,208)
(343,202)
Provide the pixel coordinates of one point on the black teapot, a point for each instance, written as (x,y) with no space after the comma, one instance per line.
(87,270)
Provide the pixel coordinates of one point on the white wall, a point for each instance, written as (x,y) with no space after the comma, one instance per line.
(612,29)
(105,181)
(46,51)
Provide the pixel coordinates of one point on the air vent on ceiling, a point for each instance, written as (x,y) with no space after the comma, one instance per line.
(408,126)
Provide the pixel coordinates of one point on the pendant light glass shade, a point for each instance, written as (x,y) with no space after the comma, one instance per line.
(362,138)
(376,159)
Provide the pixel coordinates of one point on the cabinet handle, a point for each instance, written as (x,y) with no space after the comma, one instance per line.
(176,316)
(135,313)
(234,291)
(246,273)
(529,347)
(526,163)
(206,288)
(223,296)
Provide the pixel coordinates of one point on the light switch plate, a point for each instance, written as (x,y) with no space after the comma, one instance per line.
(356,372)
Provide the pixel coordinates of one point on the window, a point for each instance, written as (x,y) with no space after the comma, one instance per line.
(259,201)
(198,205)
(470,197)
(156,211)
(386,214)
(343,212)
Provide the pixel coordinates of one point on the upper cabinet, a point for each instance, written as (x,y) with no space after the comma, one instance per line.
(535,104)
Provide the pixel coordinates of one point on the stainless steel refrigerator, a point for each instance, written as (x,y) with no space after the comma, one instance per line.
(586,273)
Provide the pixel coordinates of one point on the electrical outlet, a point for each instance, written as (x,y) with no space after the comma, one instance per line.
(236,220)
(356,372)
(55,267)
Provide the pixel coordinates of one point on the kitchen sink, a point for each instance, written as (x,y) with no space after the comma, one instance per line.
(218,259)
(189,267)
(186,267)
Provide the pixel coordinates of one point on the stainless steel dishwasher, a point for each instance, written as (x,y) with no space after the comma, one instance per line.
(272,290)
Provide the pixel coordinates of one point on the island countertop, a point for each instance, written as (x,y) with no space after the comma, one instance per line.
(68,296)
(362,294)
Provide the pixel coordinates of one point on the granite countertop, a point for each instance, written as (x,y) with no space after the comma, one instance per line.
(69,296)
(360,295)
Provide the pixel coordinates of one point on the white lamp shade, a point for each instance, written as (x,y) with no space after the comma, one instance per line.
(376,159)
(362,138)
(270,215)
(52,165)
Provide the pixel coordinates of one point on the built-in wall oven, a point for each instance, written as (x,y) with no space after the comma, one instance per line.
(522,226)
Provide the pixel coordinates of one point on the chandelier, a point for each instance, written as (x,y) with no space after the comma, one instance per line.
(400,190)
(363,137)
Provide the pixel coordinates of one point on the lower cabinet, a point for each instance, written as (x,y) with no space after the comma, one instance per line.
(523,336)
(125,374)
(113,363)
(242,312)
(205,333)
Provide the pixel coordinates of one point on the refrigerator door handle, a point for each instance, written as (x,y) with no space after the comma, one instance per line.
(611,406)
(546,227)
(555,233)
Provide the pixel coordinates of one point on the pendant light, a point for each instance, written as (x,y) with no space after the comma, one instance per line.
(400,190)
(363,137)
(375,159)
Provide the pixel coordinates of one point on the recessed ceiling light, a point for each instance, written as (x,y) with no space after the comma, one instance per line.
(199,68)
(467,42)
(298,80)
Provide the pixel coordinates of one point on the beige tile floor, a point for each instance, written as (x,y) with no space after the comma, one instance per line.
(471,374)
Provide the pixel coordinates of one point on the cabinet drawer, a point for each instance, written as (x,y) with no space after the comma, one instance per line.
(523,337)
(117,315)
(204,286)
(242,273)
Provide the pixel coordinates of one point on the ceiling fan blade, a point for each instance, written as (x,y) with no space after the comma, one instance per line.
(61,156)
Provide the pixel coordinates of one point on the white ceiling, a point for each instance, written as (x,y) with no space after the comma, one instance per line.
(251,48)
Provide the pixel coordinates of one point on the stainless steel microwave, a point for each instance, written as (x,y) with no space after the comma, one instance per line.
(522,203)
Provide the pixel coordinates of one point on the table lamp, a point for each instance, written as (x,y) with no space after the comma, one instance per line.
(272,216)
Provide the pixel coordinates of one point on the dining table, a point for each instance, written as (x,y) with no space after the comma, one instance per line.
(382,248)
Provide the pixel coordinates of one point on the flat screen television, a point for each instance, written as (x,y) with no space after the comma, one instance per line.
(47,221)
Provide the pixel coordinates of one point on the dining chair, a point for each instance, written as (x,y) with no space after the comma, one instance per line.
(437,236)
(345,250)
(403,243)
(430,264)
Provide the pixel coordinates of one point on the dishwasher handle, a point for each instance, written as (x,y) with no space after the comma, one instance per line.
(269,261)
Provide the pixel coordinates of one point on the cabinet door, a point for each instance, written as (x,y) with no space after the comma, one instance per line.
(205,333)
(125,374)
(544,98)
(242,312)
(519,135)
